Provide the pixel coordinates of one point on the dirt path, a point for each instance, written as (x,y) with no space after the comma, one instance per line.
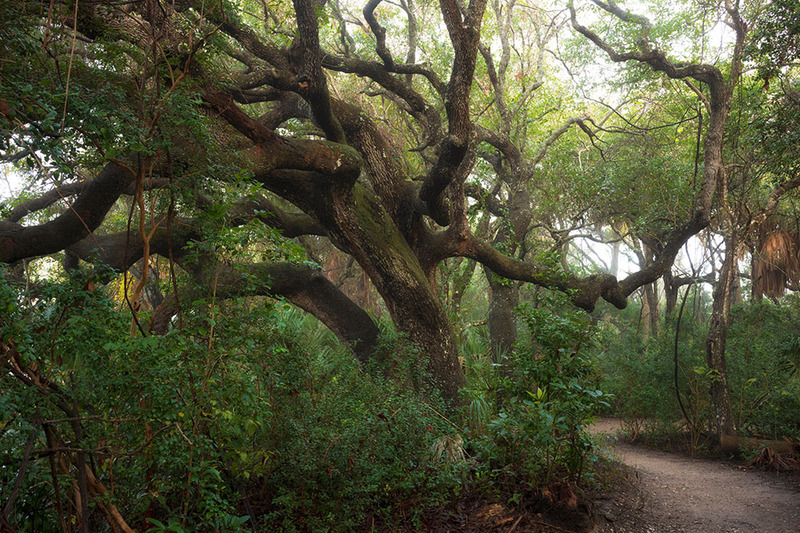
(677,493)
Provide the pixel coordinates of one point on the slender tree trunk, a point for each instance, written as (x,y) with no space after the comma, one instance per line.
(717,337)
(614,271)
(671,295)
(505,293)
(651,293)
(737,290)
(501,320)
(614,268)
(644,317)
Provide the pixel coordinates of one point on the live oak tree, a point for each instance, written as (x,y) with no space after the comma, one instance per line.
(733,199)
(717,101)
(351,132)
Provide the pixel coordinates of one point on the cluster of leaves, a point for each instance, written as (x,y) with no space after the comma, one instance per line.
(769,124)
(71,105)
(776,41)
(237,417)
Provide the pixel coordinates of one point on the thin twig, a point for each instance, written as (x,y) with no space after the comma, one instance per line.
(69,68)
(443,417)
(514,526)
(26,456)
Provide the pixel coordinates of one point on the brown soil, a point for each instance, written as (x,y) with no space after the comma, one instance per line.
(666,492)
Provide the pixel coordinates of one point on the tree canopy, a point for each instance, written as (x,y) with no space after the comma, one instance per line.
(367,129)
(387,168)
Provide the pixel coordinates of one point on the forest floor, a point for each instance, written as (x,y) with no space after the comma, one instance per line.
(668,492)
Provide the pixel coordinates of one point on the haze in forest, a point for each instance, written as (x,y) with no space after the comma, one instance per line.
(328,266)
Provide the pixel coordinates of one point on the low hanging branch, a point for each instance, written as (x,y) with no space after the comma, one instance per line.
(83,217)
(584,291)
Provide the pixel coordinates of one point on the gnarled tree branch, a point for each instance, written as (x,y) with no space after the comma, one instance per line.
(83,217)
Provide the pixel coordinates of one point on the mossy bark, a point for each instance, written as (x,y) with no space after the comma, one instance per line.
(378,245)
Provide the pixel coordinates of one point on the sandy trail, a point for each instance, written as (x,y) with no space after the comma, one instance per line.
(684,494)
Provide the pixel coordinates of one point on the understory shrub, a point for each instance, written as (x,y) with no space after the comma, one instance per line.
(529,412)
(246,415)
(641,376)
(762,355)
(763,363)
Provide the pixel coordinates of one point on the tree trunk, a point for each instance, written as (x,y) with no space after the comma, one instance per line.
(377,244)
(501,320)
(651,293)
(717,337)
(505,293)
(671,295)
(644,317)
(428,327)
(737,290)
(614,271)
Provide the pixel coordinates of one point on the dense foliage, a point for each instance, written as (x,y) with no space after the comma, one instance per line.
(762,374)
(250,416)
(448,190)
(208,427)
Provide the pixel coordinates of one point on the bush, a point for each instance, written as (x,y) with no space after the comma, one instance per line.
(208,428)
(641,376)
(763,356)
(530,412)
(762,361)
(347,445)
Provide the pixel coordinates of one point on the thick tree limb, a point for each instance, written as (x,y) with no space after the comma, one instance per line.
(289,105)
(379,32)
(465,35)
(310,290)
(312,84)
(276,152)
(59,193)
(665,258)
(584,291)
(83,217)
(121,251)
(418,107)
(250,41)
(510,151)
(291,224)
(302,285)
